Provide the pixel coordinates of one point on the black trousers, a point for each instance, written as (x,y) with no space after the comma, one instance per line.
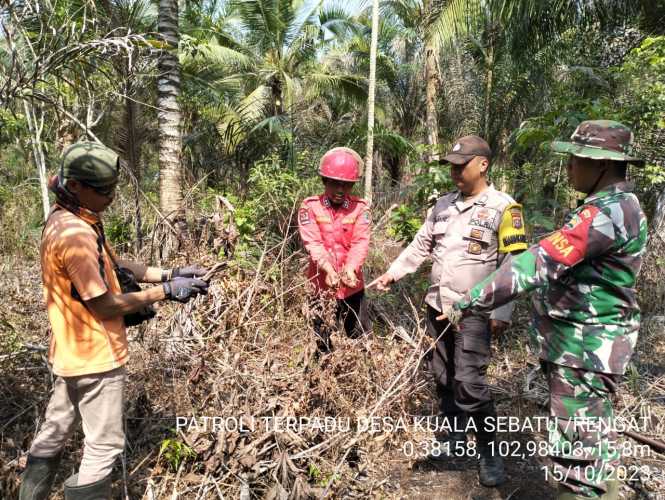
(351,311)
(459,365)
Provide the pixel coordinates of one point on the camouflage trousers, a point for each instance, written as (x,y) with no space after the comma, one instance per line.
(582,439)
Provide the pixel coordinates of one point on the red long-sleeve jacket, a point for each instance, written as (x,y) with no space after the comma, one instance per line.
(338,235)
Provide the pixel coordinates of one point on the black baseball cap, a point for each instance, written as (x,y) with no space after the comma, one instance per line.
(465,149)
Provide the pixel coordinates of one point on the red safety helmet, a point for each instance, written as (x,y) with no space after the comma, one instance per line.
(342,164)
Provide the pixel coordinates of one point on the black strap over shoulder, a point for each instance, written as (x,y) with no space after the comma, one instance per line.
(125,277)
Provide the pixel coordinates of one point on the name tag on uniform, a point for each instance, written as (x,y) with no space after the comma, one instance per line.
(483,217)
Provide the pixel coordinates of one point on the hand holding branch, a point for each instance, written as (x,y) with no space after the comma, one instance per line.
(382,283)
(450,314)
(349,277)
(332,278)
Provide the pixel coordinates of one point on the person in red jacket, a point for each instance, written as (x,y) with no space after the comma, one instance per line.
(335,227)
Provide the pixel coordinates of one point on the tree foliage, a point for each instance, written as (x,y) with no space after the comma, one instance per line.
(282,81)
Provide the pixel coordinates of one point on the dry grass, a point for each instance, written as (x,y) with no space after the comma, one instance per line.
(245,352)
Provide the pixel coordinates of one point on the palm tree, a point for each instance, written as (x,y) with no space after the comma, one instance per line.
(274,66)
(134,16)
(168,90)
(370,102)
(429,25)
(47,70)
(517,41)
(399,104)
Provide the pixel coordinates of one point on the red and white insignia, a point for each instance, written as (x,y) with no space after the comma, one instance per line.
(483,214)
(516,216)
(568,245)
(303,216)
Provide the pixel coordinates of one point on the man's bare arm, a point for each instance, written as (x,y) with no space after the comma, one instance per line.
(109,305)
(143,273)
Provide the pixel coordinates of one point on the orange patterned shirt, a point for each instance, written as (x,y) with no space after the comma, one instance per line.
(80,342)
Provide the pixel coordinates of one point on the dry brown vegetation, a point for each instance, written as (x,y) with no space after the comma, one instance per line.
(244,353)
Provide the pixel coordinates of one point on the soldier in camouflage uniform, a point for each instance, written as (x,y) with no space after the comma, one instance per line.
(585,312)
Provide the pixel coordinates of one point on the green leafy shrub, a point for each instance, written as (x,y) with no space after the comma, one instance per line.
(434,182)
(118,230)
(277,187)
(266,214)
(404,223)
(175,452)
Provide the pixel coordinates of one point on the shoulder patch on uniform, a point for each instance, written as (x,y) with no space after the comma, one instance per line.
(303,217)
(512,235)
(583,214)
(568,245)
(366,217)
(516,216)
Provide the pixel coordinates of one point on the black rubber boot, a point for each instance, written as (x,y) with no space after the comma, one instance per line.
(490,471)
(38,477)
(99,490)
(453,444)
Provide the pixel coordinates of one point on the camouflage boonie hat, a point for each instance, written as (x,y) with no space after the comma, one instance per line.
(90,163)
(600,140)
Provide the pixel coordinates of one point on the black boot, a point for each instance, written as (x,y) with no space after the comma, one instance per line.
(490,470)
(38,477)
(99,490)
(453,444)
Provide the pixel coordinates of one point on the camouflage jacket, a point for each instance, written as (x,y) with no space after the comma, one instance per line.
(585,311)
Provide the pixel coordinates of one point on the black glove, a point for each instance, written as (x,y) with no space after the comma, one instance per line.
(194,271)
(183,289)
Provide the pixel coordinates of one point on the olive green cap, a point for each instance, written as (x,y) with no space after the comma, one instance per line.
(600,140)
(90,163)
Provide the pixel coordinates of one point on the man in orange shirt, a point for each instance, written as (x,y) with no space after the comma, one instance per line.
(335,229)
(86,309)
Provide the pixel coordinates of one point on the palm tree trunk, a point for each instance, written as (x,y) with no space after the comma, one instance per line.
(168,90)
(370,102)
(432,123)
